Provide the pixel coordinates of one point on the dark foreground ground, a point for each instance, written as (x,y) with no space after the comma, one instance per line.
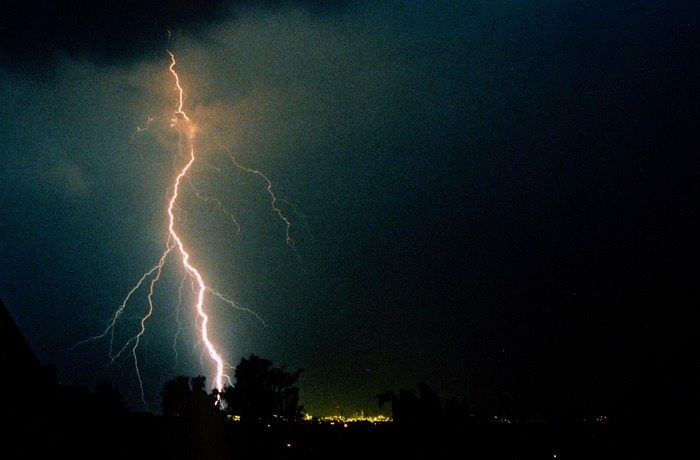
(163,438)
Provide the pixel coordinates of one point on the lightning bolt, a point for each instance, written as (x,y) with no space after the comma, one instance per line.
(175,246)
(191,270)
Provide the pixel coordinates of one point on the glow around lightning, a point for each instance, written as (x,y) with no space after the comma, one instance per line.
(175,246)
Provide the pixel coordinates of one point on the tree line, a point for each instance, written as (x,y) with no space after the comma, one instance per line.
(262,393)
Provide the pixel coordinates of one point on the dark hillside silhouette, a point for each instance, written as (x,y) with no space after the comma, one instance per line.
(23,372)
(39,414)
(16,356)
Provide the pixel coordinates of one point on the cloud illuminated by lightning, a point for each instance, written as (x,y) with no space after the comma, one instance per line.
(176,247)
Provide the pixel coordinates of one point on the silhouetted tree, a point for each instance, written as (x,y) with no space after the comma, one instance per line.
(262,392)
(187,397)
(107,400)
(424,408)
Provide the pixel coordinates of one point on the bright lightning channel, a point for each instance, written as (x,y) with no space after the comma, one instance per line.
(190,269)
(181,122)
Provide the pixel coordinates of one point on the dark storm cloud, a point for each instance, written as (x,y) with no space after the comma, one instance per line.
(33,30)
(110,31)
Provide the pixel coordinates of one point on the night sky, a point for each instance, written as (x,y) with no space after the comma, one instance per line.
(497,198)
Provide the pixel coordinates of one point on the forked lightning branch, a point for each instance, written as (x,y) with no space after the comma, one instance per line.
(178,251)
